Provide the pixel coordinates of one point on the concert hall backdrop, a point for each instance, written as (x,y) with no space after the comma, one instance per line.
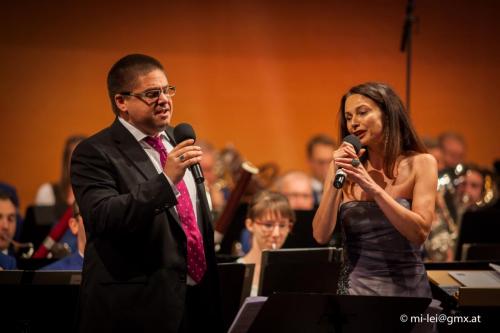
(262,75)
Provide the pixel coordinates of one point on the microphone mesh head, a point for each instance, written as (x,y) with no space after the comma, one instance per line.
(184,132)
(353,140)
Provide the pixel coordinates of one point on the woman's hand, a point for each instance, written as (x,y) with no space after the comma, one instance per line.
(345,150)
(358,173)
(325,218)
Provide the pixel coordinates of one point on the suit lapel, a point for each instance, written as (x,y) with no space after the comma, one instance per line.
(133,151)
(170,133)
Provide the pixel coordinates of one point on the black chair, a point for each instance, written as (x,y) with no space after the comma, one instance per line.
(37,224)
(233,232)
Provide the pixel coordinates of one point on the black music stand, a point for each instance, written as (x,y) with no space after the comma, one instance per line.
(301,312)
(481,226)
(300,270)
(11,277)
(57,278)
(41,302)
(480,251)
(301,235)
(235,285)
(32,264)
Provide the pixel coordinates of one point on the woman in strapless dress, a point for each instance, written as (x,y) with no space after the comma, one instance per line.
(387,203)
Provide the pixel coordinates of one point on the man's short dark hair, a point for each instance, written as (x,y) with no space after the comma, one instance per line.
(123,75)
(10,191)
(4,195)
(320,139)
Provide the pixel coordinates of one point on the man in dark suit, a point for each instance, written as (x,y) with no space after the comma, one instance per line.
(149,263)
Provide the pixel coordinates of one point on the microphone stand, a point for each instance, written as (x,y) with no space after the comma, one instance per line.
(406,45)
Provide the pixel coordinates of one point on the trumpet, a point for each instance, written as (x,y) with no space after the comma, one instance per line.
(450,181)
(25,250)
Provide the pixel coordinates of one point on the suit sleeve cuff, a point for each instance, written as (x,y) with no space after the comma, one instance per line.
(174,188)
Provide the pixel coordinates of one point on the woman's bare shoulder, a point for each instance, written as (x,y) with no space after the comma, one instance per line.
(420,159)
(418,164)
(425,159)
(424,164)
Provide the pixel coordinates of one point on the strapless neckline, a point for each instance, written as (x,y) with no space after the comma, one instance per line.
(371,202)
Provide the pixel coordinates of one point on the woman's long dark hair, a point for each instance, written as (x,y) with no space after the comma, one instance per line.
(399,135)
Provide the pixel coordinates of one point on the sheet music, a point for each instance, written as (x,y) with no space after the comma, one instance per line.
(477,278)
(495,267)
(247,313)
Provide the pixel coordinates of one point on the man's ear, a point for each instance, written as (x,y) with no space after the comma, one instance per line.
(73,225)
(249,224)
(120,102)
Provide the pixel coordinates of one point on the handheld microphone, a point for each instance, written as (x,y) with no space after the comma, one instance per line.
(184,132)
(340,175)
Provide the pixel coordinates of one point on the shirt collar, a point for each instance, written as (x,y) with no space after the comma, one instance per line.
(137,133)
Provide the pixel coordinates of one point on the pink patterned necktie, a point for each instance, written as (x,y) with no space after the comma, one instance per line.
(196,263)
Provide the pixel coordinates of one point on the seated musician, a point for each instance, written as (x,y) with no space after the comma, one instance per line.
(73,262)
(297,187)
(269,220)
(7,230)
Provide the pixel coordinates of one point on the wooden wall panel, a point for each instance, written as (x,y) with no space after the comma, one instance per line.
(264,75)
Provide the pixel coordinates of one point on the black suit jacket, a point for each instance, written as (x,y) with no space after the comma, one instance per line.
(134,272)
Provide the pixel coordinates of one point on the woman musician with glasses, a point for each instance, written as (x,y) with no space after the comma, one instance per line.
(269,220)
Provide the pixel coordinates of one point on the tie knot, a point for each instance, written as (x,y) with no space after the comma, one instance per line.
(157,145)
(155,142)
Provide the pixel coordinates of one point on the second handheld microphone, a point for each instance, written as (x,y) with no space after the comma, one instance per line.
(340,175)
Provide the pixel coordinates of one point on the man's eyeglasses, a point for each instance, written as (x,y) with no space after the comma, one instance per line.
(151,96)
(269,226)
